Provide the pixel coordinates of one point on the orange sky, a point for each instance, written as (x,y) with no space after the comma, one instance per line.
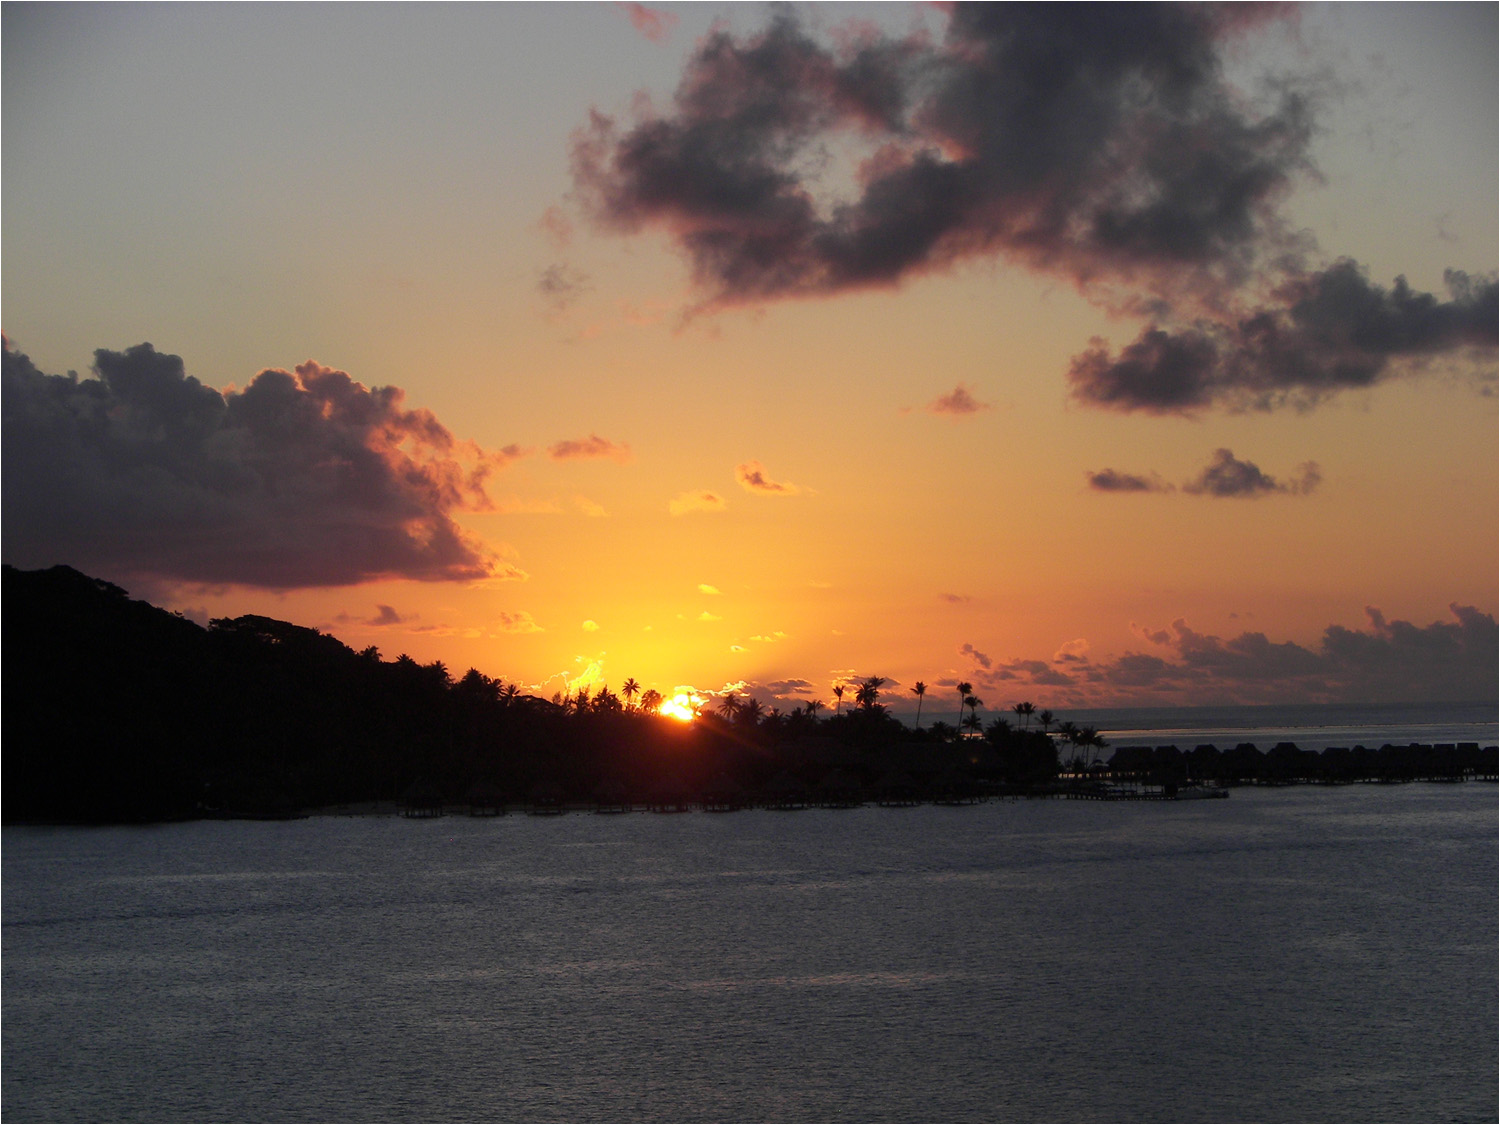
(778,483)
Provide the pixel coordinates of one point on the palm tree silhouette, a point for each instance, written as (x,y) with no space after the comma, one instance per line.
(974,704)
(729,706)
(838,693)
(651,700)
(811,706)
(1025,710)
(1045,718)
(964,690)
(869,692)
(921,689)
(630,689)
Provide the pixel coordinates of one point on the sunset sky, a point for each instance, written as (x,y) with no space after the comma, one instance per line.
(1135,357)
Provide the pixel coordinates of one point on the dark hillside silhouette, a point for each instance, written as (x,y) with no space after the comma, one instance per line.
(117,711)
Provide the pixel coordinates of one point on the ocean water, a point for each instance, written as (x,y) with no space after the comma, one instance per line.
(1312,726)
(1318,954)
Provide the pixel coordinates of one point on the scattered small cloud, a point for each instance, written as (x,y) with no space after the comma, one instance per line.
(590,626)
(1226,476)
(556,225)
(752,477)
(736,648)
(705,588)
(975,655)
(957,403)
(769,639)
(701,500)
(1112,480)
(561,284)
(956,599)
(791,687)
(385,615)
(589,448)
(706,616)
(1073,651)
(654,23)
(518,622)
(589,507)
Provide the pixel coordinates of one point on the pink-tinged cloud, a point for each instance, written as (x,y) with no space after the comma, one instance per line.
(305,478)
(957,403)
(701,500)
(752,477)
(654,23)
(590,447)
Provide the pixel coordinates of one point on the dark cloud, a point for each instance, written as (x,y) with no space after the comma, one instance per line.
(589,447)
(1111,480)
(386,615)
(1323,332)
(752,477)
(957,403)
(791,687)
(1393,660)
(303,478)
(1224,475)
(1390,661)
(957,599)
(1106,145)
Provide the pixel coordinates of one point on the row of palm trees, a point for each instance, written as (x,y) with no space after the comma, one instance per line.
(749,711)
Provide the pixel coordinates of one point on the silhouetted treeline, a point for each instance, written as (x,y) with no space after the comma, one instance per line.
(115,710)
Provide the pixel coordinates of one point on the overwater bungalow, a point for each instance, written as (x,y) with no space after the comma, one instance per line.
(546,799)
(839,789)
(784,791)
(423,799)
(670,795)
(485,800)
(612,797)
(724,794)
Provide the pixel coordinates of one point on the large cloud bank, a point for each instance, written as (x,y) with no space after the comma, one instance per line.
(1102,145)
(304,478)
(1391,660)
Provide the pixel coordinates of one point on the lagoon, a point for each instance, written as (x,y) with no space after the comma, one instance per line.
(1304,953)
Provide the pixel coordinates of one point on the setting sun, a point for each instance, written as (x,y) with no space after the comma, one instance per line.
(681,706)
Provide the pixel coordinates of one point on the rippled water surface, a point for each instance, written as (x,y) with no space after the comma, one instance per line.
(1305,953)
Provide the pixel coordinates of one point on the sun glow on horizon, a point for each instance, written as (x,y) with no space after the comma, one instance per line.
(683,707)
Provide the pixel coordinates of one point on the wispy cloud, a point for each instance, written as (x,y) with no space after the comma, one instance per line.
(655,24)
(1111,480)
(975,655)
(518,622)
(593,446)
(1224,476)
(752,477)
(957,403)
(701,500)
